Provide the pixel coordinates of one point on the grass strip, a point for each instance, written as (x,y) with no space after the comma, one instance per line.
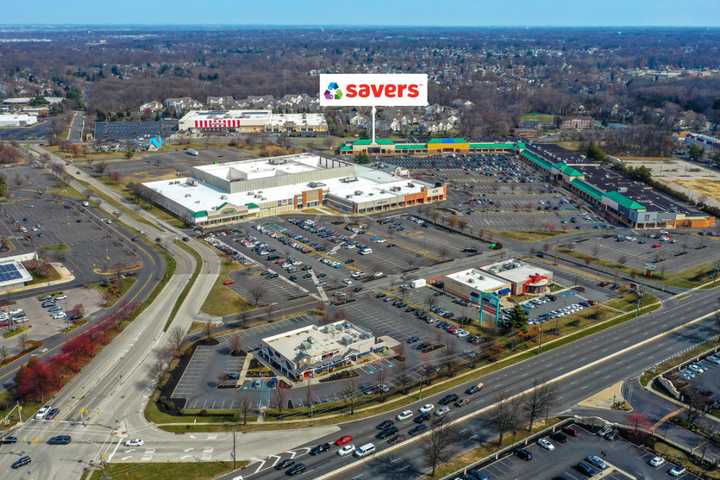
(188,286)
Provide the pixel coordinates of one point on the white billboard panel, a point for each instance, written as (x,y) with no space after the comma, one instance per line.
(367,90)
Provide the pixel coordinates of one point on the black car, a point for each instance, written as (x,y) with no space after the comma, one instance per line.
(52,413)
(418,429)
(388,432)
(586,469)
(283,464)
(523,454)
(318,449)
(423,417)
(59,440)
(559,437)
(295,469)
(447,399)
(21,462)
(8,440)
(385,424)
(396,439)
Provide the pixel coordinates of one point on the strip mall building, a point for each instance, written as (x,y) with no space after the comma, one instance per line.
(230,192)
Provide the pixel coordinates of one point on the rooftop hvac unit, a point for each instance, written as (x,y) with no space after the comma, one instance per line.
(358,192)
(223,197)
(395,189)
(411,185)
(251,193)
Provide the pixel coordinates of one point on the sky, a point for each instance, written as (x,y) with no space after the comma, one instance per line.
(685,13)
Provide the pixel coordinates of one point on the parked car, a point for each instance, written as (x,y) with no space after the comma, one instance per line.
(523,454)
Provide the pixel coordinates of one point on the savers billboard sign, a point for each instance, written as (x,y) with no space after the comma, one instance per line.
(367,90)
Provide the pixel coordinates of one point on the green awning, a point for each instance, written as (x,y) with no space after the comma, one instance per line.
(624,201)
(588,189)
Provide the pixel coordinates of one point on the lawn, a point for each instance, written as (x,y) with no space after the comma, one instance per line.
(223,300)
(50,277)
(164,471)
(66,192)
(111,294)
(529,236)
(15,331)
(693,276)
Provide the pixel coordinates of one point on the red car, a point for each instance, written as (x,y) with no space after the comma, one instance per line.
(570,431)
(452,330)
(344,440)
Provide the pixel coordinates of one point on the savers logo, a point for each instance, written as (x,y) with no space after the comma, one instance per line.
(333,91)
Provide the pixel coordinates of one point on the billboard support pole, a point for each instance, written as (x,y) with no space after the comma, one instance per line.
(373,125)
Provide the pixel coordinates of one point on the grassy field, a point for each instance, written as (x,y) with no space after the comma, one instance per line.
(645,159)
(703,186)
(66,192)
(528,236)
(111,298)
(16,331)
(189,285)
(51,277)
(538,117)
(163,471)
(223,300)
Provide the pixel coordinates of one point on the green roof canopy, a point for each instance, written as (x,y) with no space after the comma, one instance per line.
(585,187)
(568,170)
(411,146)
(368,141)
(624,201)
(447,140)
(493,146)
(537,160)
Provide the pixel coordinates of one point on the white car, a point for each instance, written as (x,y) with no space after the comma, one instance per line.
(462,333)
(656,462)
(135,442)
(546,444)
(346,450)
(427,408)
(40,414)
(404,415)
(677,471)
(442,411)
(378,274)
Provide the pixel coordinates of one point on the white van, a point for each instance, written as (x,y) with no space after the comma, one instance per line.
(365,450)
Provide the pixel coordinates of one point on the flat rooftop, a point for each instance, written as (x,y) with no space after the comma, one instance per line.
(515,271)
(314,340)
(263,167)
(13,272)
(478,280)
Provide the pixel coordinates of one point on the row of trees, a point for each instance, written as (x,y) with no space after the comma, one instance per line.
(38,379)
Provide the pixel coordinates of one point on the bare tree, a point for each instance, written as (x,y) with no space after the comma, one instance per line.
(280,398)
(503,416)
(208,330)
(257,293)
(380,376)
(534,403)
(4,354)
(437,445)
(349,394)
(23,342)
(245,407)
(309,397)
(175,341)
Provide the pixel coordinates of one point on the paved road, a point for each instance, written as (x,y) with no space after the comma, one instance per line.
(76,127)
(553,364)
(103,405)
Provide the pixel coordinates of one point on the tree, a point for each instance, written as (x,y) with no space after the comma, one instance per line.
(534,403)
(280,397)
(696,152)
(349,394)
(309,399)
(176,341)
(437,445)
(208,330)
(594,152)
(3,187)
(519,317)
(245,407)
(257,293)
(4,354)
(502,418)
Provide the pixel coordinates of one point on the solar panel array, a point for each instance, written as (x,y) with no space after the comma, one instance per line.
(9,271)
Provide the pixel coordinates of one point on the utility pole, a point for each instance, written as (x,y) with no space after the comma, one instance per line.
(234,452)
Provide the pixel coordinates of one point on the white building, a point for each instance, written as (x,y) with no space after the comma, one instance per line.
(252,121)
(13,273)
(708,143)
(230,192)
(523,277)
(470,284)
(308,351)
(17,119)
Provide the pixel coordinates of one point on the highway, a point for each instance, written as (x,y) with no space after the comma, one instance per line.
(578,370)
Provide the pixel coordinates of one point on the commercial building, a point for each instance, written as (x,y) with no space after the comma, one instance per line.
(433,146)
(12,271)
(252,121)
(470,284)
(524,278)
(313,350)
(17,119)
(710,144)
(230,192)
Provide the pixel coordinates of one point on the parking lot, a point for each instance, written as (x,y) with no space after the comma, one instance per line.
(702,376)
(624,461)
(61,228)
(667,251)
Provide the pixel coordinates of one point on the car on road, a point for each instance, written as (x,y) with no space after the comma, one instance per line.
(135,442)
(344,440)
(285,463)
(52,413)
(417,429)
(474,389)
(388,432)
(346,450)
(442,411)
(59,440)
(546,444)
(427,408)
(423,417)
(42,412)
(677,471)
(404,415)
(523,454)
(447,399)
(656,461)
(318,449)
(21,462)
(8,440)
(296,469)
(385,424)
(396,439)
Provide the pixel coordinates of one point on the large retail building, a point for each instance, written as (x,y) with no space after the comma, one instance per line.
(231,192)
(252,121)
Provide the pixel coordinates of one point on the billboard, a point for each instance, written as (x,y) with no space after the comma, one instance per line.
(379,90)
